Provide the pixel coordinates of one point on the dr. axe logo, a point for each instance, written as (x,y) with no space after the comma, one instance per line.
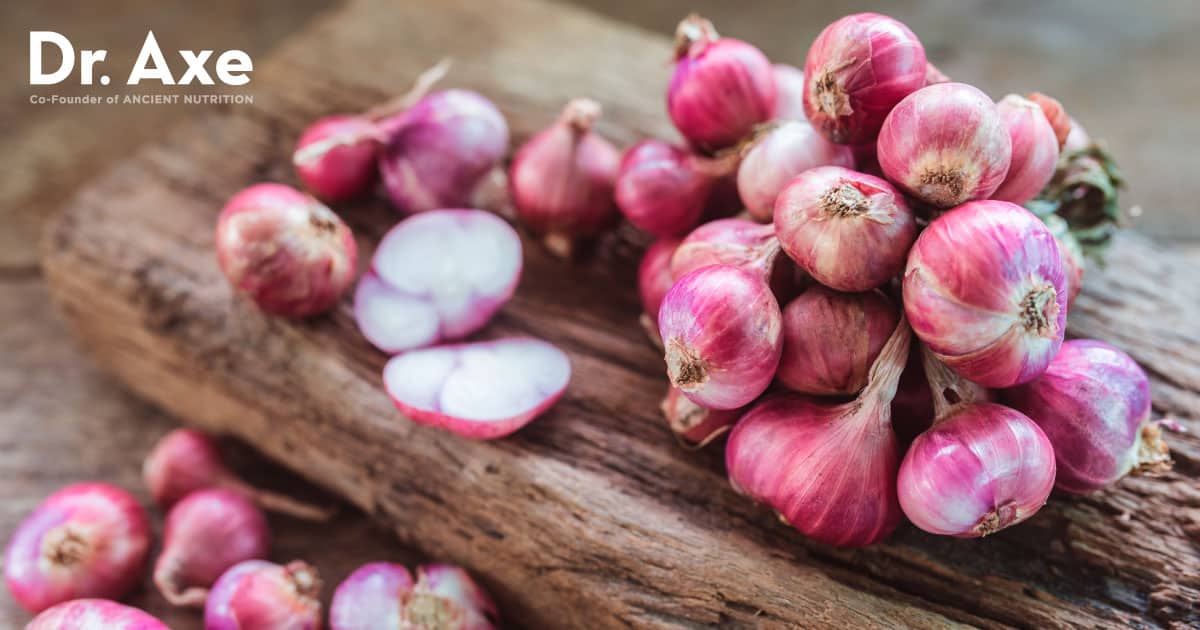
(231,67)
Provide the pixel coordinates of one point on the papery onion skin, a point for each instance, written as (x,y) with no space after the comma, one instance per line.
(781,152)
(1093,403)
(87,540)
(831,339)
(857,70)
(789,92)
(94,614)
(945,144)
(693,425)
(259,595)
(738,242)
(721,87)
(659,190)
(850,231)
(721,328)
(371,598)
(975,472)
(1034,149)
(442,151)
(346,167)
(995,310)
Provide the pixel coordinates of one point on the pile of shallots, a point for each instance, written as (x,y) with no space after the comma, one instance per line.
(882,329)
(88,544)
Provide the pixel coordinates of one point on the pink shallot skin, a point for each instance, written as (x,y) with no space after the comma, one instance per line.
(781,153)
(985,289)
(1034,149)
(285,250)
(736,242)
(654,274)
(1093,402)
(260,595)
(371,598)
(94,614)
(660,190)
(945,144)
(85,540)
(335,156)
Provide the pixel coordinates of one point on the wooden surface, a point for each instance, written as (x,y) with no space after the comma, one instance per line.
(590,517)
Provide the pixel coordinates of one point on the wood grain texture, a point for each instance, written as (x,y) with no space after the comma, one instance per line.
(591,517)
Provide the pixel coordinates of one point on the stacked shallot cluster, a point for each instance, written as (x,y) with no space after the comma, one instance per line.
(882,199)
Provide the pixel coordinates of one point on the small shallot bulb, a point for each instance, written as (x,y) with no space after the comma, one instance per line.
(1034,149)
(737,242)
(721,327)
(562,179)
(857,69)
(654,280)
(94,614)
(205,534)
(382,596)
(980,468)
(831,340)
(721,89)
(828,469)
(660,188)
(780,152)
(945,144)
(285,250)
(260,595)
(984,288)
(85,540)
(789,92)
(186,460)
(371,598)
(1093,402)
(441,153)
(850,231)
(1059,120)
(695,426)
(437,276)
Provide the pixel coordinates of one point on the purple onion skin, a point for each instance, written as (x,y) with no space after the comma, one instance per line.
(345,170)
(442,150)
(995,311)
(658,190)
(981,469)
(779,155)
(1034,149)
(1093,403)
(370,598)
(94,614)
(259,595)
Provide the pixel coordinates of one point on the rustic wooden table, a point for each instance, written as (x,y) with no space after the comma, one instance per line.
(62,420)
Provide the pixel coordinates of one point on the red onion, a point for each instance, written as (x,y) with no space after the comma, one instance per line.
(654,280)
(721,87)
(186,460)
(1034,149)
(1093,402)
(205,534)
(858,68)
(695,426)
(736,242)
(831,340)
(445,596)
(94,614)
(371,598)
(827,469)
(985,289)
(562,179)
(1078,139)
(481,390)
(789,92)
(293,256)
(980,468)
(945,144)
(1071,253)
(933,75)
(260,595)
(85,540)
(660,189)
(850,231)
(721,328)
(437,276)
(441,152)
(778,154)
(1055,114)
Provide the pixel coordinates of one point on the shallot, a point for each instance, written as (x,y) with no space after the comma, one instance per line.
(721,87)
(437,276)
(661,189)
(827,469)
(721,328)
(1059,121)
(1093,402)
(737,242)
(285,250)
(94,614)
(693,425)
(382,596)
(789,92)
(831,340)
(481,390)
(858,68)
(205,534)
(1034,149)
(654,280)
(1072,255)
(371,598)
(985,289)
(778,153)
(562,179)
(85,540)
(945,144)
(980,468)
(260,595)
(850,231)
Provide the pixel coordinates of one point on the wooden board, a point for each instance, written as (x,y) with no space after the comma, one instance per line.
(591,517)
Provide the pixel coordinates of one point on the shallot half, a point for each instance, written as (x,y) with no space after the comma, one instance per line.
(778,153)
(94,614)
(260,595)
(480,390)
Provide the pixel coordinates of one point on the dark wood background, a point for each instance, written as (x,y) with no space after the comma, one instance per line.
(1120,68)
